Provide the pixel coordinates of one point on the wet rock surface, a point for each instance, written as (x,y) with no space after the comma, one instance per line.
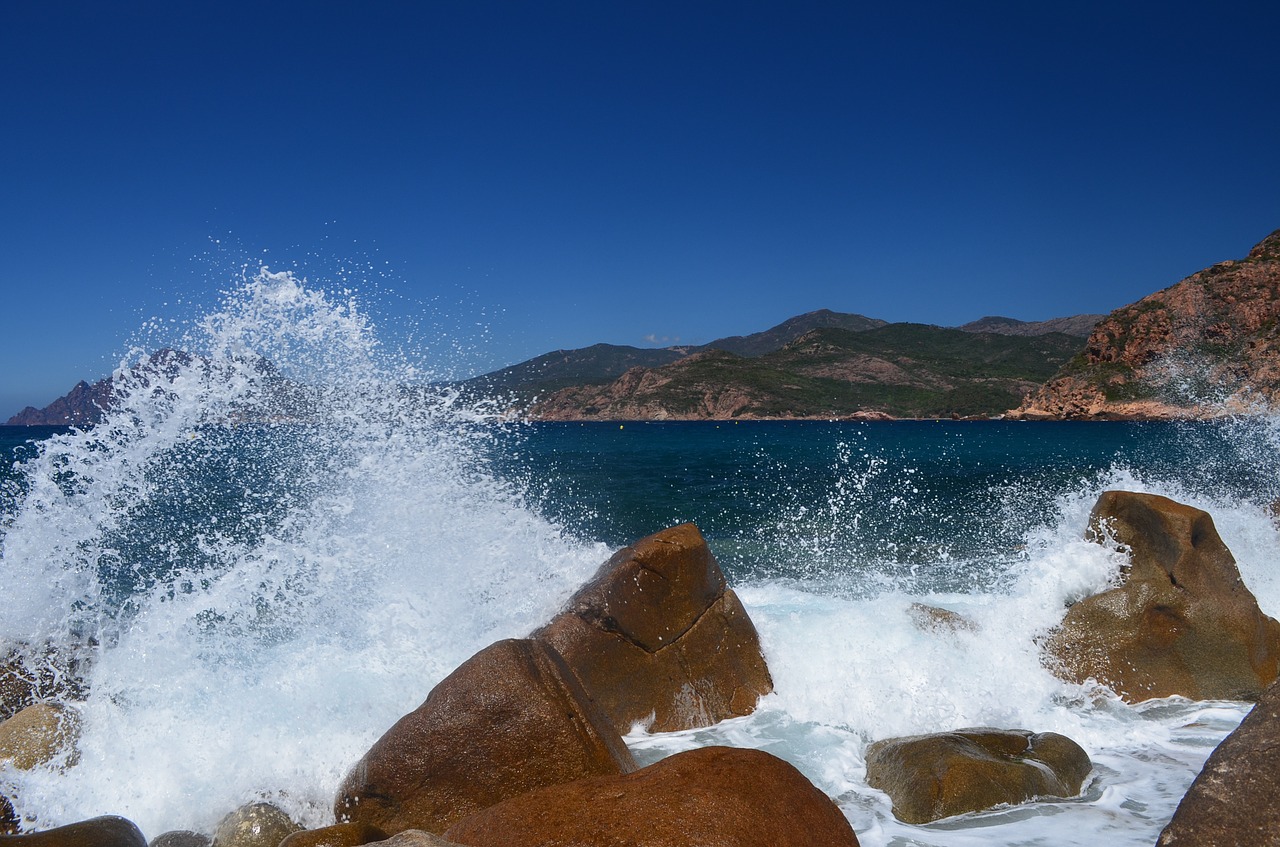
(254,825)
(1181,622)
(929,777)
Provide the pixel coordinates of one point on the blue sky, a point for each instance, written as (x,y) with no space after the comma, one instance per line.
(542,175)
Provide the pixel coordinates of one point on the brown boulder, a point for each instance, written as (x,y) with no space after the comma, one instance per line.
(1235,801)
(38,735)
(712,796)
(934,619)
(339,835)
(1181,621)
(107,831)
(656,637)
(254,825)
(929,777)
(510,719)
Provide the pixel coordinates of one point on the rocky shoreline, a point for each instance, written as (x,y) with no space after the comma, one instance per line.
(522,744)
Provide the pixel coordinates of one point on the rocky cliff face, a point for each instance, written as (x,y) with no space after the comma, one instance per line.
(1204,347)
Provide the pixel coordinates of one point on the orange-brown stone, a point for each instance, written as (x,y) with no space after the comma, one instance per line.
(1181,622)
(510,719)
(710,796)
(929,777)
(657,637)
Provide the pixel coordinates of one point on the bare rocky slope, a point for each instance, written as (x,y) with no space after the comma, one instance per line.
(1203,347)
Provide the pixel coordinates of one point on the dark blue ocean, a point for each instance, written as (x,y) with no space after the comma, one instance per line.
(265,589)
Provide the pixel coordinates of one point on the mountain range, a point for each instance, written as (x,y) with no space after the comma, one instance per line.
(849,364)
(1205,346)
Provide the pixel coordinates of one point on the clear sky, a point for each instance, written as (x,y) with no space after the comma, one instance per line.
(563,173)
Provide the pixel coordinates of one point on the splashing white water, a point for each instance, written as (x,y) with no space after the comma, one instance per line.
(273,546)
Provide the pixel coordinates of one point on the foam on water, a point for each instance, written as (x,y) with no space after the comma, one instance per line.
(274,547)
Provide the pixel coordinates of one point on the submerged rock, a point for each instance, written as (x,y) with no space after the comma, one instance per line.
(708,796)
(107,831)
(254,825)
(933,619)
(929,777)
(38,735)
(1235,801)
(350,834)
(1181,622)
(658,638)
(510,719)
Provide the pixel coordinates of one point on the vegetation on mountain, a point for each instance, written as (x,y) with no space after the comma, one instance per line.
(898,370)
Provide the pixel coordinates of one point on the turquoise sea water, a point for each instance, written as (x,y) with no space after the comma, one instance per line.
(264,594)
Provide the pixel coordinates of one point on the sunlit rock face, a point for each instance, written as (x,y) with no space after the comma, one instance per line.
(1202,347)
(1181,621)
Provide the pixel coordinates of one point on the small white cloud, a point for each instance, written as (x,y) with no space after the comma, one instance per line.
(654,338)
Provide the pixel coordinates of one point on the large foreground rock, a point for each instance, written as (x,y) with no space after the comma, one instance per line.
(1235,801)
(710,797)
(107,831)
(929,777)
(1181,621)
(657,637)
(510,719)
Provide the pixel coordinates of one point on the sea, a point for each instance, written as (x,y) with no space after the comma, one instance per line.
(270,551)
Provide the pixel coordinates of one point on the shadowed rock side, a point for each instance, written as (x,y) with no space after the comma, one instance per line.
(106,831)
(929,777)
(1235,801)
(510,719)
(1181,622)
(709,797)
(656,637)
(1173,353)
